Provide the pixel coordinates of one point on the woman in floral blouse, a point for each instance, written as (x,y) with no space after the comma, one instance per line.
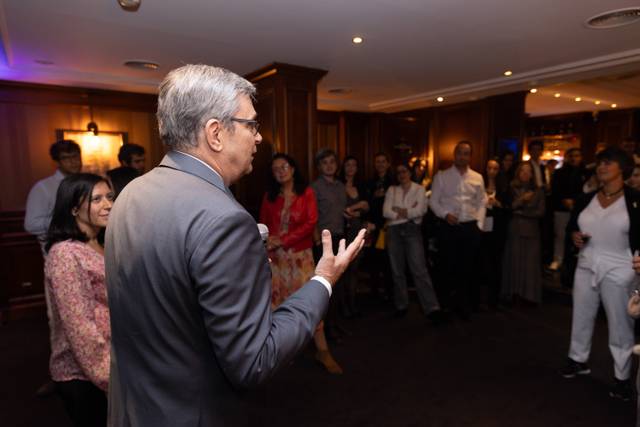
(74,275)
(290,211)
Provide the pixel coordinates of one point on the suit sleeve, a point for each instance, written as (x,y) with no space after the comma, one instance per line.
(232,279)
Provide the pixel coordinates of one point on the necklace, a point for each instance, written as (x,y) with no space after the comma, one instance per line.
(611,195)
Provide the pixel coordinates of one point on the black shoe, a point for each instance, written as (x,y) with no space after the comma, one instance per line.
(398,314)
(574,368)
(621,389)
(437,317)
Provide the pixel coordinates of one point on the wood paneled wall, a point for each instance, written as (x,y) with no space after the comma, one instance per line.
(606,127)
(30,115)
(431,133)
(286,107)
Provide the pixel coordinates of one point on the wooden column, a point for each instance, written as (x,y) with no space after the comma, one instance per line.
(287,110)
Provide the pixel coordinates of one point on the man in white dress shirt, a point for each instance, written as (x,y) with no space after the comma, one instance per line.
(42,196)
(458,197)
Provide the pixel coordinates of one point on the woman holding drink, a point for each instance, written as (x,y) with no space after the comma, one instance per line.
(605,226)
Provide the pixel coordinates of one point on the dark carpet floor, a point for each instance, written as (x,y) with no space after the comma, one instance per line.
(497,370)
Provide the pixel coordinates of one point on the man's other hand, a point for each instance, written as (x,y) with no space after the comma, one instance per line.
(331,266)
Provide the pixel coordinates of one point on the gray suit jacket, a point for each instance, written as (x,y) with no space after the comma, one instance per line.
(189,288)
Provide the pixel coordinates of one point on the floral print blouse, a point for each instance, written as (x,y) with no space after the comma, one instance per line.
(80,328)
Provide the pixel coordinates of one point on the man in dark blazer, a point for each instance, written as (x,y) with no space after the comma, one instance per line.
(188,276)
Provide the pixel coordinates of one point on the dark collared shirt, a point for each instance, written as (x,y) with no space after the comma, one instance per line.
(332,200)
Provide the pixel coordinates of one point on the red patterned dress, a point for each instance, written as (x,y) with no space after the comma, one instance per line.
(80,329)
(291,264)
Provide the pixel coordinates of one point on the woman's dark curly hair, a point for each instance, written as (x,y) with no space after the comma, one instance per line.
(274,187)
(621,157)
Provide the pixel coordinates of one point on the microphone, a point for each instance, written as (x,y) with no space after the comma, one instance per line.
(264,232)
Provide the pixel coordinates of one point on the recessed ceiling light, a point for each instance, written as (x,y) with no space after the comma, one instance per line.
(142,65)
(439,99)
(614,18)
(597,102)
(578,99)
(614,105)
(340,91)
(129,5)
(557,95)
(534,90)
(357,40)
(508,73)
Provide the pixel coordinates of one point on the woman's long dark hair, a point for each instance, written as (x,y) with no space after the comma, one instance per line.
(343,177)
(72,192)
(517,184)
(274,187)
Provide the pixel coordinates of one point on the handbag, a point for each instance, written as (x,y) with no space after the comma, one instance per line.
(380,241)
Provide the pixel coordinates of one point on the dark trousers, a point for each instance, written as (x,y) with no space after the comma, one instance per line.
(377,263)
(85,403)
(490,266)
(459,246)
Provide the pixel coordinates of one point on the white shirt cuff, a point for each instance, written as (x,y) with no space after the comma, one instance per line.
(324,282)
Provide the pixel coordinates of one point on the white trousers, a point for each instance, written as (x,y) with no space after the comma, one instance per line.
(586,301)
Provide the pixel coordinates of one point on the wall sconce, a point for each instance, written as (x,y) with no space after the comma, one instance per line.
(99,149)
(92,127)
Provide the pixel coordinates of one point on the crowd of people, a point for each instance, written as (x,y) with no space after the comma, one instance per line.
(465,240)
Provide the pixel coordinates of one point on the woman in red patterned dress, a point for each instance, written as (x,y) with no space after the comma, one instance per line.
(75,277)
(289,210)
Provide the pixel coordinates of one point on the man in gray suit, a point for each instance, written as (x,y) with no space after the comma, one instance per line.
(188,277)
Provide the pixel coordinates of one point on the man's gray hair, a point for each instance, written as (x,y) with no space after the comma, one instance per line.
(193,94)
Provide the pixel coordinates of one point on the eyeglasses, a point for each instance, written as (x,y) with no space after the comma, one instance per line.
(66,157)
(283,168)
(252,125)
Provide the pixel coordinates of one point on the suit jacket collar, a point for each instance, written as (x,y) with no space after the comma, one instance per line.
(184,163)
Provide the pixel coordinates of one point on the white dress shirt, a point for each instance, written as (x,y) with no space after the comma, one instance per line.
(40,204)
(607,253)
(537,173)
(459,194)
(414,201)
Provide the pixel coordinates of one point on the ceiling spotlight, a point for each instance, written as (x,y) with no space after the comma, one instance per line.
(578,99)
(142,64)
(129,5)
(439,99)
(357,40)
(508,73)
(614,105)
(534,90)
(557,95)
(597,102)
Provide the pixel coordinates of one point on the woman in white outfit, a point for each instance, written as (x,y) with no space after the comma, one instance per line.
(605,226)
(404,206)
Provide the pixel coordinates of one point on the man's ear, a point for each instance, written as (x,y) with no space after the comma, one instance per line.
(212,130)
